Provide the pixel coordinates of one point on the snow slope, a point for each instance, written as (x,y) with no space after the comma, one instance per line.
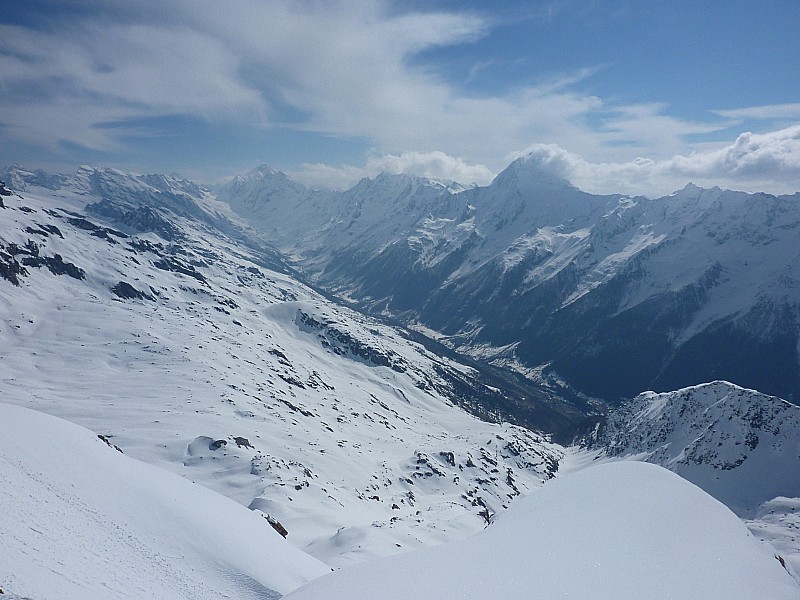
(193,354)
(741,446)
(81,520)
(614,531)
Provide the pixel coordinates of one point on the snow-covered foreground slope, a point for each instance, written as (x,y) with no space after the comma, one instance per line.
(193,355)
(615,531)
(138,307)
(80,520)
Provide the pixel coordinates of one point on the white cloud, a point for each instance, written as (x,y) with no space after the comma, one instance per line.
(769,112)
(78,81)
(434,165)
(342,68)
(328,177)
(769,158)
(754,162)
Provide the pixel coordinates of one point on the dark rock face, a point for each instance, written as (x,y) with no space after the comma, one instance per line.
(141,219)
(4,191)
(12,267)
(178,266)
(126,291)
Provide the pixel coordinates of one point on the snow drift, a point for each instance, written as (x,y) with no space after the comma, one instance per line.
(83,521)
(617,530)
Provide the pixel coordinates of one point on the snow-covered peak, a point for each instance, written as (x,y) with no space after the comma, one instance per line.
(528,174)
(690,189)
(456,188)
(264,170)
(261,172)
(263,182)
(174,184)
(693,198)
(19,178)
(386,186)
(526,197)
(105,181)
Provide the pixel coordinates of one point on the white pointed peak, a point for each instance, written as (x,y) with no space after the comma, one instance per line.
(694,194)
(265,170)
(688,191)
(259,173)
(532,173)
(18,178)
(82,180)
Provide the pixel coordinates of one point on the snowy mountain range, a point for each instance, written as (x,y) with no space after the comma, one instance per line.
(148,311)
(610,294)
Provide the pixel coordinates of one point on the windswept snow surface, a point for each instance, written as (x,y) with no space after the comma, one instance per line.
(623,530)
(80,520)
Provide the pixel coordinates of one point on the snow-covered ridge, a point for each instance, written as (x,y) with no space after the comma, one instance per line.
(741,446)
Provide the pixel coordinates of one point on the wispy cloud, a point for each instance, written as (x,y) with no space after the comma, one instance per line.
(94,72)
(769,112)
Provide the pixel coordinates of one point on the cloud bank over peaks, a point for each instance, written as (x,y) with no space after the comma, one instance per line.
(434,165)
(334,91)
(768,162)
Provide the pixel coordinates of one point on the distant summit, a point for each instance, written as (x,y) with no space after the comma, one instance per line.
(529,173)
(18,178)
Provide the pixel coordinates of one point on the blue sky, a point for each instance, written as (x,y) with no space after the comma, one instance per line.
(631,96)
